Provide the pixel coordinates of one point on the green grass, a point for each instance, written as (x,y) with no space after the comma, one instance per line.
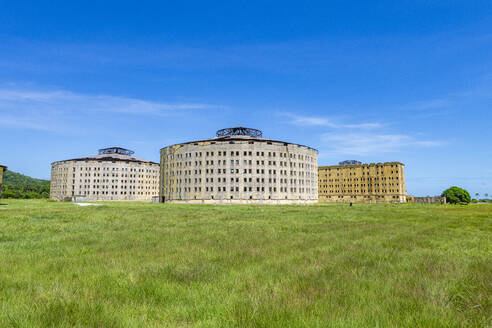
(161,265)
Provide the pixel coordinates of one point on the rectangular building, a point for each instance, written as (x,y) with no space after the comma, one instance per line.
(352,181)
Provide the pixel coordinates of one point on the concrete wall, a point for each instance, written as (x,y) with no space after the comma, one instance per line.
(367,183)
(429,200)
(239,172)
(2,169)
(94,180)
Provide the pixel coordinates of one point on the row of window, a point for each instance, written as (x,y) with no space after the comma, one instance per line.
(113,187)
(120,181)
(366,197)
(107,169)
(361,179)
(245,189)
(86,193)
(116,169)
(232,162)
(237,171)
(245,180)
(362,167)
(361,185)
(362,191)
(122,175)
(363,172)
(244,153)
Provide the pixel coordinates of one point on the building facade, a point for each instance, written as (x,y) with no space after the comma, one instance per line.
(352,181)
(2,169)
(238,166)
(112,175)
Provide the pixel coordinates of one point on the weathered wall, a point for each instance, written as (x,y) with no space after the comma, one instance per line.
(104,180)
(429,200)
(239,172)
(2,169)
(369,183)
(246,201)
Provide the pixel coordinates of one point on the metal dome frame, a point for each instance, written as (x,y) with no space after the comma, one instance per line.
(239,131)
(116,150)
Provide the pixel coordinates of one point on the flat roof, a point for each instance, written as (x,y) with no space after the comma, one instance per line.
(358,165)
(108,158)
(239,138)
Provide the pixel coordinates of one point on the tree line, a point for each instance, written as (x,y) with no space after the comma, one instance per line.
(26,192)
(16,185)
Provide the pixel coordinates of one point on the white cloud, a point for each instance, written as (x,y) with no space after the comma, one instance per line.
(66,112)
(328,122)
(430,104)
(358,138)
(23,123)
(66,101)
(371,143)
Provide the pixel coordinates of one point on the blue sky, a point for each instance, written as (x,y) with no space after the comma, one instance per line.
(375,81)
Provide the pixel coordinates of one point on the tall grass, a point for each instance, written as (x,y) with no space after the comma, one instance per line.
(161,265)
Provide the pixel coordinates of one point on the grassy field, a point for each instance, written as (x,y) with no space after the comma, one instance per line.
(161,265)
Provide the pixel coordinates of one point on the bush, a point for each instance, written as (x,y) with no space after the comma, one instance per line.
(26,191)
(456,195)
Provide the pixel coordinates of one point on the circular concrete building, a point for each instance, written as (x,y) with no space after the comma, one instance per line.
(239,166)
(114,174)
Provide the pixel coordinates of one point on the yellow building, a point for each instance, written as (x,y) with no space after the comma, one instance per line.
(352,181)
(2,169)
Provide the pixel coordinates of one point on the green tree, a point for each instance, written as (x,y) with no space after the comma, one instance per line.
(456,195)
(486,195)
(21,186)
(16,179)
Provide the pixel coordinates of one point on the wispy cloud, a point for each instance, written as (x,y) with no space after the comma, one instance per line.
(66,112)
(65,101)
(430,104)
(329,122)
(23,123)
(363,138)
(424,109)
(372,143)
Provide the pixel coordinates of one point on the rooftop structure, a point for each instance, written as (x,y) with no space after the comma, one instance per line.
(350,162)
(240,134)
(112,154)
(116,150)
(239,131)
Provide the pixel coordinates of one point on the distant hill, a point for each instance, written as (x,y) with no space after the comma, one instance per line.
(16,185)
(12,178)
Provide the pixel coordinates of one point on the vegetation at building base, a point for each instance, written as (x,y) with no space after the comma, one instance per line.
(165,265)
(456,195)
(19,186)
